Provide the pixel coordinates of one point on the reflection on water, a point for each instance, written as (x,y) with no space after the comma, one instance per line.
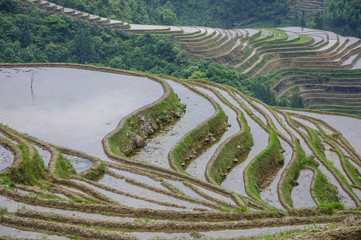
(269,194)
(6,158)
(125,200)
(80,164)
(301,195)
(72,108)
(349,127)
(333,157)
(234,180)
(122,185)
(344,197)
(198,166)
(44,154)
(157,147)
(9,232)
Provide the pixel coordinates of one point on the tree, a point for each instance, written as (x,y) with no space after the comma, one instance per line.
(24,27)
(168,17)
(83,45)
(57,23)
(318,21)
(297,101)
(303,19)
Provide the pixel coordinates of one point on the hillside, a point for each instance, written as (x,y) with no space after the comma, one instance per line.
(320,67)
(227,166)
(180,147)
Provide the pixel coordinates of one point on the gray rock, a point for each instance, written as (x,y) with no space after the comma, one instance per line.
(137,140)
(146,126)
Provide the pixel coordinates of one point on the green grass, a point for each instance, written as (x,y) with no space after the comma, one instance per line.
(263,164)
(324,191)
(96,174)
(63,167)
(79,200)
(292,175)
(317,144)
(231,151)
(121,143)
(47,196)
(195,139)
(353,173)
(303,39)
(333,205)
(30,172)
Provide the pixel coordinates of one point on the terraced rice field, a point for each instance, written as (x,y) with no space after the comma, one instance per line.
(222,173)
(97,153)
(320,65)
(308,6)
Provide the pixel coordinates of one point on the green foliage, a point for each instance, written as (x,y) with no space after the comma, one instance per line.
(167,16)
(297,101)
(343,16)
(123,141)
(333,205)
(97,173)
(30,172)
(196,138)
(216,13)
(261,91)
(83,45)
(264,164)
(325,192)
(226,14)
(238,146)
(63,167)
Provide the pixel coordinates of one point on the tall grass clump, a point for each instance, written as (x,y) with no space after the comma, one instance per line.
(30,172)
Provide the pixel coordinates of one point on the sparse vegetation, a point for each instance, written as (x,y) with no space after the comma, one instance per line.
(264,164)
(238,146)
(30,172)
(325,192)
(97,173)
(130,136)
(199,138)
(64,168)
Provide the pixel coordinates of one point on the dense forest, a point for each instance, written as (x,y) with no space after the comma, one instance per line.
(213,13)
(341,16)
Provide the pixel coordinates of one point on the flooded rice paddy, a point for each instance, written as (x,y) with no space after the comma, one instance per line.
(6,158)
(198,166)
(71,107)
(234,180)
(77,108)
(301,195)
(198,109)
(221,234)
(79,164)
(349,127)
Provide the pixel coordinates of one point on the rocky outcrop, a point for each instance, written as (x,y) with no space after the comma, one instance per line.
(146,126)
